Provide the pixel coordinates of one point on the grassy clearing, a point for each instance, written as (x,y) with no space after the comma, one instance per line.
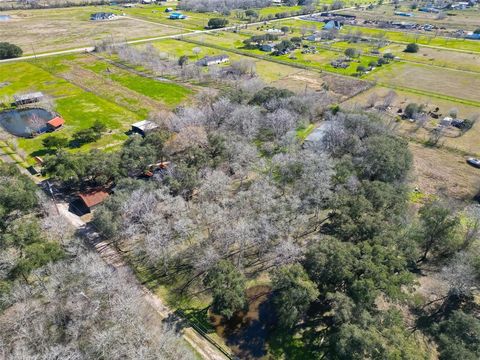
(440,172)
(169,93)
(438,57)
(452,85)
(406,37)
(303,132)
(79,108)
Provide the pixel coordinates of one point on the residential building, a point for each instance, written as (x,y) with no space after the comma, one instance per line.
(213,60)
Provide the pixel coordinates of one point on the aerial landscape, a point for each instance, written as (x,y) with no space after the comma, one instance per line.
(240,179)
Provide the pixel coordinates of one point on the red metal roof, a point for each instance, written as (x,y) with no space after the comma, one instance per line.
(56,122)
(93,198)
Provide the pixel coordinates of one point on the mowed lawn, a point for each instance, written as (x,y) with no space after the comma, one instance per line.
(79,108)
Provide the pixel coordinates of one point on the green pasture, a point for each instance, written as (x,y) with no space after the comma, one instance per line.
(79,108)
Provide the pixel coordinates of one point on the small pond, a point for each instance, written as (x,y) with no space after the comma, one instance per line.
(5,17)
(25,122)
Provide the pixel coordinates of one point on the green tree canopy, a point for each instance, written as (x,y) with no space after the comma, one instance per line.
(227,285)
(294,292)
(216,23)
(9,51)
(412,48)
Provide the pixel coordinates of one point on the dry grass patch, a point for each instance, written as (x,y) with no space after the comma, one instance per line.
(59,29)
(437,171)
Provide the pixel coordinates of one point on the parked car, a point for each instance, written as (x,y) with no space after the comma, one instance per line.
(474,162)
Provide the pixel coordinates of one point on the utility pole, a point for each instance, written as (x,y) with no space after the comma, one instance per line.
(34,54)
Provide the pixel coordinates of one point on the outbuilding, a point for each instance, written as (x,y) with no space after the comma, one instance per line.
(28,98)
(55,124)
(144,127)
(267,47)
(213,60)
(177,16)
(92,198)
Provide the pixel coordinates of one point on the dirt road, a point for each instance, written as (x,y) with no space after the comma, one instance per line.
(112,257)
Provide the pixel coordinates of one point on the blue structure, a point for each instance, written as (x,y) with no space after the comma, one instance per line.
(473,37)
(177,16)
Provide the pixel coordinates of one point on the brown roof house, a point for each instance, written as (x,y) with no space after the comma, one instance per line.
(92,198)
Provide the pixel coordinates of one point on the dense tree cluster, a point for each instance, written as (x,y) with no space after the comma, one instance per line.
(59,300)
(329,221)
(9,51)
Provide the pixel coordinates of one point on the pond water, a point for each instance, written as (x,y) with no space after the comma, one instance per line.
(25,122)
(5,17)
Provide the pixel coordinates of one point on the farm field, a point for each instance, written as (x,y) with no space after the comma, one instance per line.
(84,90)
(455,85)
(438,57)
(38,31)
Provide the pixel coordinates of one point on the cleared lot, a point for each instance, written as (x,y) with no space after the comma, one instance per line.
(58,29)
(460,86)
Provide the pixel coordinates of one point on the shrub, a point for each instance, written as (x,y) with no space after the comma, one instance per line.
(216,23)
(412,48)
(351,52)
(9,51)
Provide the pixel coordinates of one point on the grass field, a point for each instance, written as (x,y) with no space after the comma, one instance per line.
(408,37)
(86,89)
(79,108)
(440,172)
(438,57)
(58,29)
(454,85)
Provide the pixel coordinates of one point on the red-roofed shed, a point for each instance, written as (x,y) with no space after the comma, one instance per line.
(92,198)
(56,123)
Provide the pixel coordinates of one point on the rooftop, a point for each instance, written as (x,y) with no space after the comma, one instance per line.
(56,122)
(93,198)
(145,125)
(28,96)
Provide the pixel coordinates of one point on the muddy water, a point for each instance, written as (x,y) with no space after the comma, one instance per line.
(26,122)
